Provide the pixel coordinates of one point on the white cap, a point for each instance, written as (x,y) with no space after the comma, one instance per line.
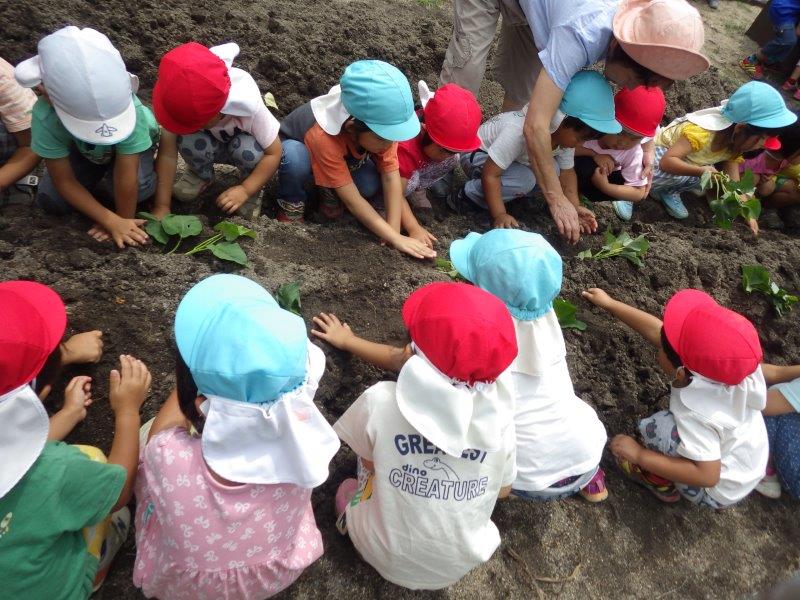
(87,83)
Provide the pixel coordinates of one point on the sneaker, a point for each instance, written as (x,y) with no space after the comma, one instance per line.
(661,488)
(769,486)
(290,212)
(623,209)
(116,534)
(752,66)
(458,201)
(251,208)
(672,203)
(330,205)
(189,186)
(713,3)
(595,490)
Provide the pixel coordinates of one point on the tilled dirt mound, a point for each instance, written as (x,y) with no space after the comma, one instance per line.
(628,547)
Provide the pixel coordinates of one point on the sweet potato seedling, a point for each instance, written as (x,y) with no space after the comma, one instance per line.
(446,266)
(623,245)
(756,278)
(288,297)
(565,312)
(731,198)
(161,230)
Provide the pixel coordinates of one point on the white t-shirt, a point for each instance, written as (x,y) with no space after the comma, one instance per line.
(502,139)
(628,161)
(558,434)
(725,428)
(423,519)
(262,125)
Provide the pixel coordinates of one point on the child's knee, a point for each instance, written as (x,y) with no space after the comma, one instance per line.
(245,152)
(295,159)
(196,146)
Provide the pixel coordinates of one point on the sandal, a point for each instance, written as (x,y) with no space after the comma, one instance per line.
(661,488)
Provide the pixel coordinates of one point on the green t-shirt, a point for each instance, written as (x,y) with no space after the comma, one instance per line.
(50,139)
(42,550)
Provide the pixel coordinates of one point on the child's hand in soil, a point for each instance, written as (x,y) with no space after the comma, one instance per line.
(86,347)
(127,232)
(604,163)
(231,199)
(78,397)
(505,221)
(98,234)
(332,330)
(129,386)
(413,247)
(587,220)
(423,235)
(627,448)
(598,297)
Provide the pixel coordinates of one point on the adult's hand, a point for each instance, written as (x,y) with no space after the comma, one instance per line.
(566,218)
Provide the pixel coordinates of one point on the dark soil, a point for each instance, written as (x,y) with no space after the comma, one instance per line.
(631,546)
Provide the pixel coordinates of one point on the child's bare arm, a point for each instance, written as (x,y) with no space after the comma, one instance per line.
(731,168)
(128,389)
(779,374)
(232,198)
(674,160)
(413,228)
(77,398)
(569,183)
(504,492)
(339,335)
(126,184)
(777,404)
(645,324)
(169,416)
(493,193)
(393,198)
(617,191)
(674,468)
(22,162)
(166,166)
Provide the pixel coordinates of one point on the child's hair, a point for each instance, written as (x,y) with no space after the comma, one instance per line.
(790,140)
(359,126)
(50,370)
(646,76)
(581,128)
(670,351)
(187,393)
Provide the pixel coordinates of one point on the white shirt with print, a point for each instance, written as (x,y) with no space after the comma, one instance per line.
(423,520)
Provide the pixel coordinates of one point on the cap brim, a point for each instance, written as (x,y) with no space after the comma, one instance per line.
(782,119)
(606,126)
(668,61)
(459,253)
(165,119)
(678,308)
(28,73)
(473,145)
(102,133)
(399,132)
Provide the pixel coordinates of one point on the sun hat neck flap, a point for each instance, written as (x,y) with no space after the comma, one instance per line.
(244,97)
(453,415)
(541,345)
(286,441)
(23,434)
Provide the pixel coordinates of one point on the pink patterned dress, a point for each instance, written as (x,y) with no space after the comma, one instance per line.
(197,538)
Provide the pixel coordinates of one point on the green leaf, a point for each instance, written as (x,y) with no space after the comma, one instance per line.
(156,231)
(622,245)
(230,251)
(269,100)
(182,225)
(232,231)
(756,278)
(565,312)
(143,214)
(585,254)
(747,182)
(288,297)
(705,180)
(751,209)
(446,266)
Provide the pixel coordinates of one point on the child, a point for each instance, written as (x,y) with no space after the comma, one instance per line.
(711,445)
(784,15)
(16,157)
(435,449)
(225,478)
(560,440)
(610,168)
(348,140)
(213,114)
(449,121)
(56,537)
(714,137)
(777,169)
(500,172)
(782,418)
(87,122)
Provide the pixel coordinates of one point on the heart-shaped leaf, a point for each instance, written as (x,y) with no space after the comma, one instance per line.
(182,225)
(288,297)
(232,231)
(229,251)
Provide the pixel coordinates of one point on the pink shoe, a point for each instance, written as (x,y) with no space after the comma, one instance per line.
(344,494)
(595,490)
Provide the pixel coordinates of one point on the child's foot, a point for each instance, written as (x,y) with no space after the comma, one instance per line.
(344,494)
(251,208)
(458,201)
(595,490)
(116,534)
(661,488)
(769,486)
(672,203)
(623,209)
(330,205)
(752,66)
(189,186)
(290,212)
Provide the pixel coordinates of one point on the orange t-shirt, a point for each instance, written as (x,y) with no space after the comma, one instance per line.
(335,157)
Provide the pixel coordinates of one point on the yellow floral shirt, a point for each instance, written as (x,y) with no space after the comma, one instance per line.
(700,140)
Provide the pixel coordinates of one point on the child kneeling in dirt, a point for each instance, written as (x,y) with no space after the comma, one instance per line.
(88,122)
(449,121)
(231,458)
(16,157)
(348,140)
(500,171)
(711,446)
(435,449)
(213,113)
(62,508)
(782,418)
(715,137)
(610,168)
(560,440)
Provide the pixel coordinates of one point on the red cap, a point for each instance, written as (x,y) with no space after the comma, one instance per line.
(773,142)
(465,332)
(640,110)
(32,322)
(192,87)
(710,339)
(452,118)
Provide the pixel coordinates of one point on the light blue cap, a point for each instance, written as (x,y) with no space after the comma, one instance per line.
(377,93)
(588,97)
(519,267)
(759,104)
(238,343)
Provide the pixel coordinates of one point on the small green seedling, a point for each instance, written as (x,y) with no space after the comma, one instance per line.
(161,230)
(732,198)
(756,278)
(565,312)
(446,266)
(288,297)
(623,245)
(223,244)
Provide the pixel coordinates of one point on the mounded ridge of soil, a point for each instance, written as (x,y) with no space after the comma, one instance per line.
(630,546)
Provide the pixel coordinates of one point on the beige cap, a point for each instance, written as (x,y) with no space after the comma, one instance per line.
(665,36)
